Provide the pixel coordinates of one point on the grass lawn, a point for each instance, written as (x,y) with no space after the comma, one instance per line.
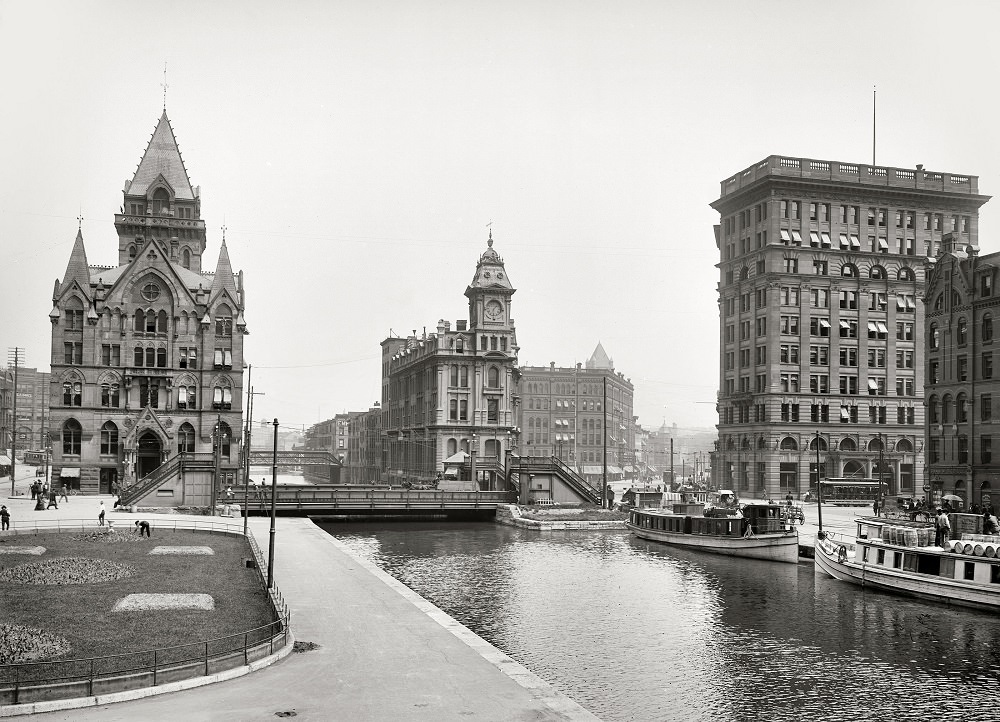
(81,613)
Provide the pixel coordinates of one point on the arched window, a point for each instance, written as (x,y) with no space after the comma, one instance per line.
(137,356)
(933,410)
(946,409)
(876,272)
(161,358)
(71,436)
(463,410)
(762,443)
(109,439)
(187,396)
(745,445)
(150,321)
(744,273)
(222,438)
(987,331)
(962,332)
(961,409)
(185,439)
(161,322)
(939,302)
(905,273)
(849,270)
(186,258)
(875,445)
(223,321)
(454,376)
(848,444)
(493,378)
(789,444)
(903,446)
(131,251)
(161,201)
(222,395)
(72,393)
(730,444)
(453,410)
(139,320)
(151,357)
(817,442)
(854,469)
(452,447)
(956,299)
(109,395)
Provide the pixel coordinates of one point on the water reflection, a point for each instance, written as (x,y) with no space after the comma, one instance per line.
(634,630)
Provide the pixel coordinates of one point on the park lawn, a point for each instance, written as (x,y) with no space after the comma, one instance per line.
(81,613)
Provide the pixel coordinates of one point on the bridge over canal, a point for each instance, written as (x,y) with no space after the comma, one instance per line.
(337,500)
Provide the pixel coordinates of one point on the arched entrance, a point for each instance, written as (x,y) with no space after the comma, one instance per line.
(148,455)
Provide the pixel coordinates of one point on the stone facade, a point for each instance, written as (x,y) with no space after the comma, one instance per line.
(821,321)
(147,355)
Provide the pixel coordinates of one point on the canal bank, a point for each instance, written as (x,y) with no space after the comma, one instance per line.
(378,651)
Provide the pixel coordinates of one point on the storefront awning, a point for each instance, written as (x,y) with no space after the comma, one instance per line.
(4,460)
(70,472)
(615,470)
(594,470)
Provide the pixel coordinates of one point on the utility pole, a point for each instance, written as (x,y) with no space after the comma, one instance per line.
(274,488)
(604,467)
(14,355)
(819,487)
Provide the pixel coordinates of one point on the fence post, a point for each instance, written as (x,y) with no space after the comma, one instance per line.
(246,656)
(91,677)
(154,667)
(206,659)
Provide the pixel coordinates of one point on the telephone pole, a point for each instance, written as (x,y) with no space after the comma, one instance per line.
(14,355)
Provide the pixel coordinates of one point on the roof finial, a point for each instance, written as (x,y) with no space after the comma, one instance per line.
(165,86)
(490,226)
(79,218)
(223,230)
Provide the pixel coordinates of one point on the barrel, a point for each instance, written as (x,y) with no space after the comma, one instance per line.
(990,551)
(978,549)
(910,537)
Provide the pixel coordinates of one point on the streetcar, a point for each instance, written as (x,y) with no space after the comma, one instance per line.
(850,491)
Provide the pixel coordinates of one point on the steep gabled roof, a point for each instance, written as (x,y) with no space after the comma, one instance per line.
(224,279)
(162,157)
(599,359)
(77,268)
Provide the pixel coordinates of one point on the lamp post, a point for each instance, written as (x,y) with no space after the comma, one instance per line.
(14,356)
(274,492)
(218,438)
(819,488)
(472,460)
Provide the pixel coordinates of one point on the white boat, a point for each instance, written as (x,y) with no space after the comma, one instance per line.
(756,531)
(900,557)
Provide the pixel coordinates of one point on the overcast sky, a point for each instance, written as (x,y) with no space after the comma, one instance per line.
(356,152)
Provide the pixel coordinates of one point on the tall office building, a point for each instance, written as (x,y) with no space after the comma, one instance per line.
(821,320)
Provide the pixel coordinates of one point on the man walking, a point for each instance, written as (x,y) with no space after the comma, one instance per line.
(100,516)
(62,493)
(4,518)
(52,500)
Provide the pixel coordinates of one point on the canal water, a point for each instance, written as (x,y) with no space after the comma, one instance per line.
(633,630)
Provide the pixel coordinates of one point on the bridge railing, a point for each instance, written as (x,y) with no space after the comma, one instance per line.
(334,496)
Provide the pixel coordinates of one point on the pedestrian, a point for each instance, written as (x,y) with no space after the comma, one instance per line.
(62,493)
(875,506)
(52,500)
(100,516)
(34,490)
(143,528)
(4,518)
(229,493)
(992,524)
(942,525)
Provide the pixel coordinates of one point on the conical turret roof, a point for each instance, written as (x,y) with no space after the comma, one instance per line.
(77,268)
(162,158)
(599,359)
(224,279)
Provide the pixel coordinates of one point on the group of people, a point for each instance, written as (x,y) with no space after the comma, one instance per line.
(41,492)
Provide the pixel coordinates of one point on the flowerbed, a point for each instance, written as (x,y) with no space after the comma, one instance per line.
(67,570)
(20,643)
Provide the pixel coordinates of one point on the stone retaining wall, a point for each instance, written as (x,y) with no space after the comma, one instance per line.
(510,515)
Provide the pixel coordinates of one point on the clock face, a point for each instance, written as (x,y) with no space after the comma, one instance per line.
(494,311)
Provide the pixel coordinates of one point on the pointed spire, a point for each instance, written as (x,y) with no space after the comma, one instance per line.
(224,278)
(599,359)
(77,268)
(162,158)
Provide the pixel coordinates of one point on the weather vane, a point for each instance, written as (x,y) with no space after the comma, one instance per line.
(80,219)
(223,230)
(164,85)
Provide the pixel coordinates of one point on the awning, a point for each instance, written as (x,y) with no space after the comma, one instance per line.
(900,303)
(4,460)
(882,327)
(883,244)
(653,469)
(814,239)
(615,470)
(827,243)
(855,242)
(451,471)
(458,458)
(70,472)
(594,469)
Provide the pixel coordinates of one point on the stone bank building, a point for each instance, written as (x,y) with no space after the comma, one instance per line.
(147,353)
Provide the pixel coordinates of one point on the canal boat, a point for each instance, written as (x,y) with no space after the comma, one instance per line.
(901,557)
(752,530)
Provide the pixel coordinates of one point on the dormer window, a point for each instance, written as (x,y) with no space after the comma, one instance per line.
(161,201)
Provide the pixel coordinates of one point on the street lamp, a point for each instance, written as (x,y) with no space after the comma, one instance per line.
(219,437)
(274,491)
(246,476)
(472,460)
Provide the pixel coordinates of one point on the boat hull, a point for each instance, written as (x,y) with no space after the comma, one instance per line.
(782,547)
(844,567)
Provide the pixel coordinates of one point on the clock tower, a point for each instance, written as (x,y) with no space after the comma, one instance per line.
(490,293)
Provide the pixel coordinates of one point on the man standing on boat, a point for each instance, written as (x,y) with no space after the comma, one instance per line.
(943,527)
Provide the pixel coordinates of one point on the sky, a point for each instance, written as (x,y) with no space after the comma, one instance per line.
(359,153)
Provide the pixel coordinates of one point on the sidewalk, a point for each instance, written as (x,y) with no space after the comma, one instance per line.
(384,652)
